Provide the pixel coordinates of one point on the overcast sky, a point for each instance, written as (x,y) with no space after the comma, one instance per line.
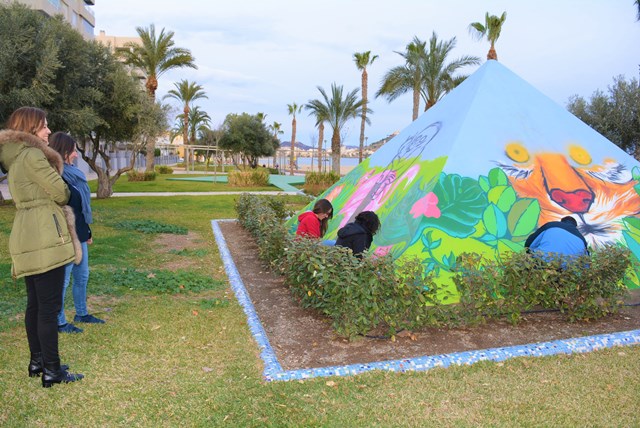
(258,56)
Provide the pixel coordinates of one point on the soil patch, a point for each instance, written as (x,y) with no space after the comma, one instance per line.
(174,243)
(303,338)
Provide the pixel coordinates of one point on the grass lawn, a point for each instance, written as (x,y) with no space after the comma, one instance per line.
(161,184)
(185,356)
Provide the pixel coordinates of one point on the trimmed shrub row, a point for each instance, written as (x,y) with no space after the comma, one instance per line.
(362,295)
(254,177)
(134,175)
(317,182)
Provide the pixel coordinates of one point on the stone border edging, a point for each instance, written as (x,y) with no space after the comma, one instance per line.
(273,370)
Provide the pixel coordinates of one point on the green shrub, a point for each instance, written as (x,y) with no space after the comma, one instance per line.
(264,218)
(582,288)
(317,182)
(134,175)
(164,169)
(251,178)
(360,295)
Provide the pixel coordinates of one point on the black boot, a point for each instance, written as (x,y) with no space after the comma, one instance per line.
(35,365)
(53,373)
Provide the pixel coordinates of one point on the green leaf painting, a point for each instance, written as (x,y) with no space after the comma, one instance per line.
(523,217)
(461,201)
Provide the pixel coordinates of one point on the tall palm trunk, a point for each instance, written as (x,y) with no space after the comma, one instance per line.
(365,78)
(275,154)
(492,52)
(320,140)
(185,125)
(293,145)
(416,103)
(335,151)
(150,147)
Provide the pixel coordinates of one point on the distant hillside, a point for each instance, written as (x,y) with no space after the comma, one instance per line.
(373,146)
(299,145)
(376,145)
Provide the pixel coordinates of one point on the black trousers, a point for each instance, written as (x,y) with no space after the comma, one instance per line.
(44,301)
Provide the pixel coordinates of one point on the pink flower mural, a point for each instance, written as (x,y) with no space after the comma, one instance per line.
(426,206)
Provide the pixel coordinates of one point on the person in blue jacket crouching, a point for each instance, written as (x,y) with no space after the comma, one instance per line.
(557,239)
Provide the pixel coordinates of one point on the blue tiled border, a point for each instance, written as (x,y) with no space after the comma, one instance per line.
(273,370)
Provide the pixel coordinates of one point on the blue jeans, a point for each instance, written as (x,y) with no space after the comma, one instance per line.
(79,288)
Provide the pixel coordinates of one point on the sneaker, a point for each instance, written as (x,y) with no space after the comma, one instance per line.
(69,328)
(89,319)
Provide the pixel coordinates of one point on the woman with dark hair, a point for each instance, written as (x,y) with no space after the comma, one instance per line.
(359,235)
(42,238)
(314,223)
(80,201)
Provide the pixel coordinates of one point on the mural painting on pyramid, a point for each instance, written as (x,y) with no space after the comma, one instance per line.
(446,186)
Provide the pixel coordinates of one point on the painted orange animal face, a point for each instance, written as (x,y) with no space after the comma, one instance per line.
(598,196)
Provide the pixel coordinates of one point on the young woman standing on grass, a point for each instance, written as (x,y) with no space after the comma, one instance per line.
(42,240)
(80,201)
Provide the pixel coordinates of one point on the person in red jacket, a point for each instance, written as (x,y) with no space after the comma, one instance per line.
(313,224)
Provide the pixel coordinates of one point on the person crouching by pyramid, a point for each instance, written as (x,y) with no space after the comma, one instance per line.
(313,224)
(559,238)
(358,235)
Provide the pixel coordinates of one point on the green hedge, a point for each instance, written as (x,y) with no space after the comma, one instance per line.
(317,182)
(134,175)
(360,295)
(250,178)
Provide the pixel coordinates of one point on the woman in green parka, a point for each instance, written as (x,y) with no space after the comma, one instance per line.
(42,238)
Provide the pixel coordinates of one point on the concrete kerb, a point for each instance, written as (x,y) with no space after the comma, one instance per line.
(273,370)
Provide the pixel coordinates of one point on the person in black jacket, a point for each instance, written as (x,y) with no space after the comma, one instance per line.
(359,235)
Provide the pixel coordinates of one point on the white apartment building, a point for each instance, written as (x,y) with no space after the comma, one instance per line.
(75,12)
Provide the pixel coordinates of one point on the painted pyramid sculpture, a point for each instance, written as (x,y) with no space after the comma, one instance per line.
(482,169)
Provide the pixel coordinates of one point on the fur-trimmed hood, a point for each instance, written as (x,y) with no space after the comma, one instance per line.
(11,151)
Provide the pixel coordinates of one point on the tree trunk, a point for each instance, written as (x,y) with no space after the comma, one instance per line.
(151,154)
(335,151)
(365,78)
(429,104)
(416,103)
(152,86)
(185,125)
(320,140)
(492,53)
(292,156)
(105,188)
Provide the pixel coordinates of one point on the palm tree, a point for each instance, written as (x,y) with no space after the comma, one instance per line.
(408,77)
(320,120)
(293,110)
(199,120)
(638,4)
(363,60)
(186,92)
(491,29)
(337,110)
(276,128)
(438,75)
(261,116)
(153,57)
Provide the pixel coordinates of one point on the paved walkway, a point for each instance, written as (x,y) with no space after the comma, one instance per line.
(284,184)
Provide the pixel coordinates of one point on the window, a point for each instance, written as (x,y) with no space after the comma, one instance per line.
(55,3)
(87,27)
